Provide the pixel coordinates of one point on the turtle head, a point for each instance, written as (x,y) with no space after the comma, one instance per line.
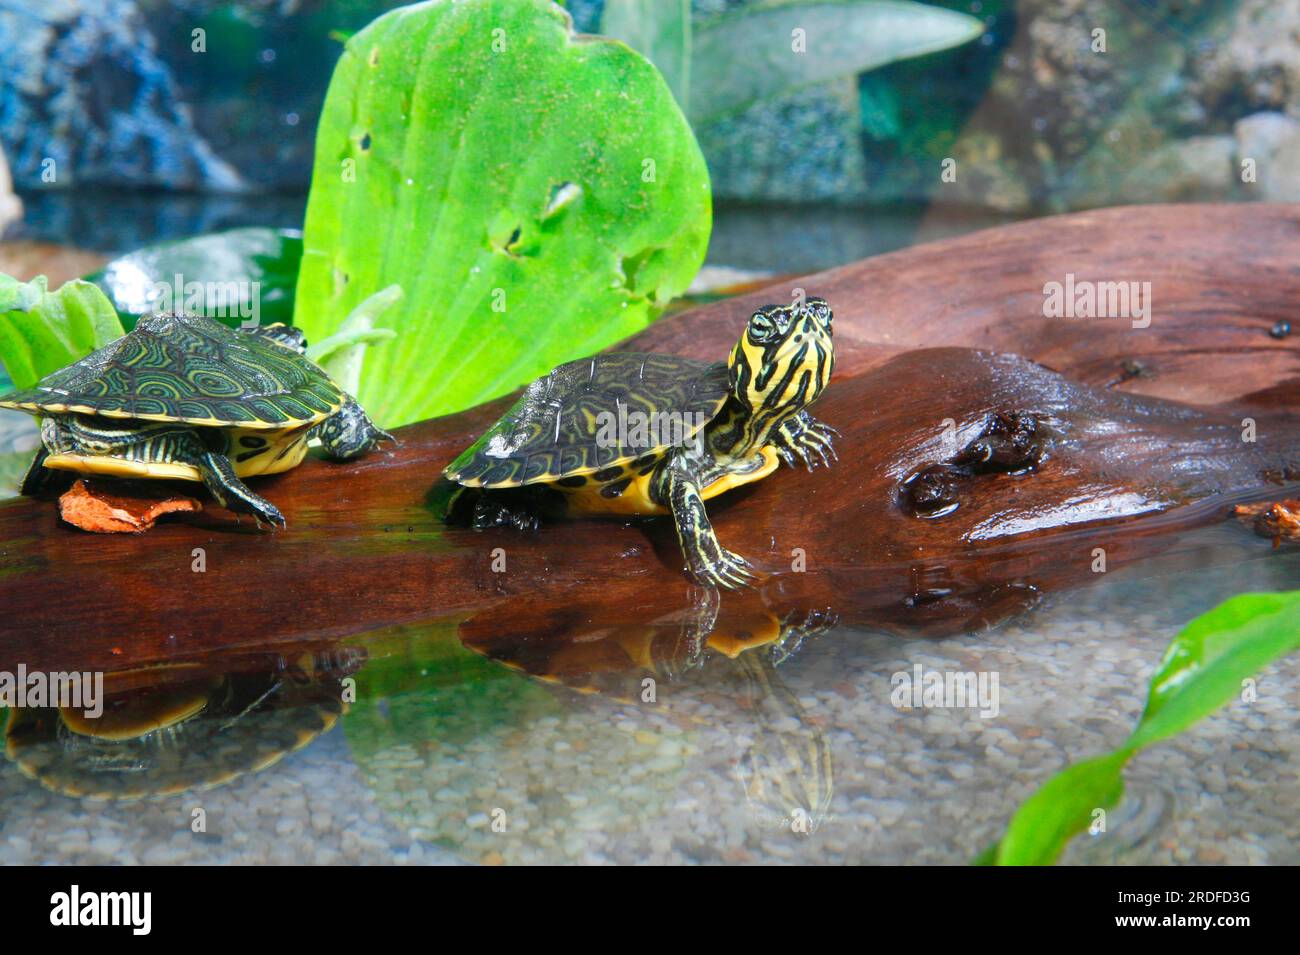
(783,361)
(282,334)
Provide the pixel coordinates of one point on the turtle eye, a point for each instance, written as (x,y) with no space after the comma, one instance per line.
(821,311)
(762,326)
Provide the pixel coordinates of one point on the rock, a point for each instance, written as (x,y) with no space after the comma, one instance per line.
(1199,168)
(801,146)
(1256,63)
(11,207)
(84,83)
(1272,140)
(985,176)
(1259,135)
(125,509)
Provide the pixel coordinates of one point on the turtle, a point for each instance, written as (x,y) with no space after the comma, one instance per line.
(625,434)
(182,396)
(175,727)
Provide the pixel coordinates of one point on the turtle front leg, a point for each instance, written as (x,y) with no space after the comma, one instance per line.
(219,478)
(349,432)
(801,436)
(707,560)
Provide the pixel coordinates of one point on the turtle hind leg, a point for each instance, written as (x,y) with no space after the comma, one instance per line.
(40,479)
(349,432)
(219,478)
(707,560)
(505,510)
(483,509)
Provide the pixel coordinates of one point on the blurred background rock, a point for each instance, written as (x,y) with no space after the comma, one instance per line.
(123,127)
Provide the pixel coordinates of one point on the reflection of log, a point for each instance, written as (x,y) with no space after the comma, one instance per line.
(365,547)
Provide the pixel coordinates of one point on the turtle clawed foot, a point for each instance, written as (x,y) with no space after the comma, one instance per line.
(269,516)
(272,518)
(819,440)
(795,631)
(813,444)
(260,509)
(492,513)
(723,569)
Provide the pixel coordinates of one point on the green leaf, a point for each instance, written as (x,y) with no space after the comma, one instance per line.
(752,54)
(235,276)
(537,196)
(42,331)
(343,353)
(1201,670)
(1061,809)
(879,108)
(661,31)
(1205,666)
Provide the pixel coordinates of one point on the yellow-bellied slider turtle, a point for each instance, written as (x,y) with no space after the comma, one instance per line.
(183,396)
(630,434)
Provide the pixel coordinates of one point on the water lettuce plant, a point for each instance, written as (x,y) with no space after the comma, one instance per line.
(41,331)
(726,63)
(1205,667)
(537,195)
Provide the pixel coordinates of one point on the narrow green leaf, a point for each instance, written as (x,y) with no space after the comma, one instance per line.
(1202,669)
(538,196)
(343,353)
(879,107)
(1063,807)
(757,53)
(42,331)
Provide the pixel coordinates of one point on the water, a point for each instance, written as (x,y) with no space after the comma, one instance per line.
(448,754)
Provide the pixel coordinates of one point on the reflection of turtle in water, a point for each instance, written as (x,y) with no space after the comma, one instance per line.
(170,728)
(786,769)
(627,434)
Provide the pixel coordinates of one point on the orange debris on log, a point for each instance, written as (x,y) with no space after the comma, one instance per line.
(1279,520)
(127,509)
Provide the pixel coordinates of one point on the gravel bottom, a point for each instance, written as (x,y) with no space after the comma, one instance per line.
(504,769)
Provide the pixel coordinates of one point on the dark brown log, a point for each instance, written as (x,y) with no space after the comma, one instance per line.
(1115,466)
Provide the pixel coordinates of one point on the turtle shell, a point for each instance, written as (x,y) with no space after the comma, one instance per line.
(192,369)
(555,428)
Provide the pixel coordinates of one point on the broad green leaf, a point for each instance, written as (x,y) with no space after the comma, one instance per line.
(538,196)
(42,331)
(234,276)
(661,31)
(756,53)
(1201,670)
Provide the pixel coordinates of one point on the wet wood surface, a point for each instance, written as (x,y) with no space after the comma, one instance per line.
(1137,434)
